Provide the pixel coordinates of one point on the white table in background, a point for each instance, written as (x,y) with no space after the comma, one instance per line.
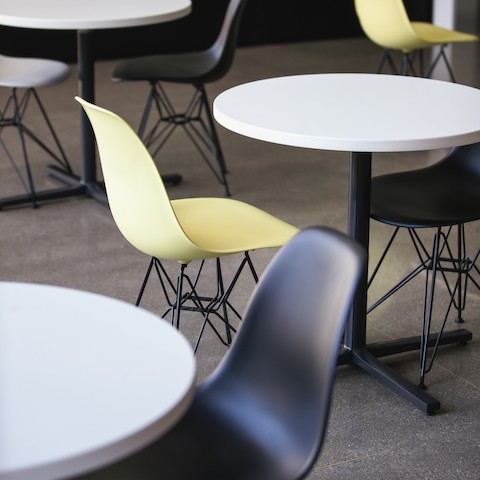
(84,380)
(360,114)
(85,16)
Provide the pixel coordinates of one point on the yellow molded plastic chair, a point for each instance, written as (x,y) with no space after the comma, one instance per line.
(386,23)
(183,230)
(28,74)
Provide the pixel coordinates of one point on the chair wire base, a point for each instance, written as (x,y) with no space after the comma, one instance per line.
(440,259)
(413,62)
(197,121)
(13,115)
(184,296)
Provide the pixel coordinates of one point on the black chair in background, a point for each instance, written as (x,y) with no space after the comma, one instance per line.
(197,69)
(263,413)
(444,196)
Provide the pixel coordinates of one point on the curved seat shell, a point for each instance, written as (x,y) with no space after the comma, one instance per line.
(443,194)
(17,72)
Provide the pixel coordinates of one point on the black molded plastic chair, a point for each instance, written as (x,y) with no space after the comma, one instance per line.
(197,69)
(443,196)
(23,76)
(263,413)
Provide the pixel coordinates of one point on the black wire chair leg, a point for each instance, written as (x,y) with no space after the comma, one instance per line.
(18,124)
(442,55)
(145,281)
(428,309)
(178,302)
(62,158)
(146,111)
(461,252)
(221,292)
(387,57)
(213,131)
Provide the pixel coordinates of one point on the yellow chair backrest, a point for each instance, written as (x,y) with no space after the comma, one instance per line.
(136,194)
(386,23)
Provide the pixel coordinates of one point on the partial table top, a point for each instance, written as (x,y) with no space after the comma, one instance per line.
(84,380)
(353,112)
(89,14)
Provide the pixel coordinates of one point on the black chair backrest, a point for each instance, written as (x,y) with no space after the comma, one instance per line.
(285,354)
(223,50)
(464,160)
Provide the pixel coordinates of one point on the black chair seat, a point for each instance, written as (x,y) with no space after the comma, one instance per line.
(446,193)
(190,68)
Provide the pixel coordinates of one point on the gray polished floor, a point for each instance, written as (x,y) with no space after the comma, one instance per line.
(373,433)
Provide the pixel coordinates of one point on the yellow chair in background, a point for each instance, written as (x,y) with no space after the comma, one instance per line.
(386,23)
(183,230)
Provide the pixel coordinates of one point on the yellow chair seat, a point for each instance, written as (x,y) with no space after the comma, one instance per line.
(222,226)
(431,35)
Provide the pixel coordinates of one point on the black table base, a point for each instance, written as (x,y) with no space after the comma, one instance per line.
(366,359)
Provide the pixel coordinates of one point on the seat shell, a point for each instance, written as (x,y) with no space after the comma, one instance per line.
(264,411)
(192,67)
(17,72)
(445,193)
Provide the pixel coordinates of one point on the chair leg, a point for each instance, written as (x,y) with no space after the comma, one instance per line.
(202,133)
(186,296)
(461,256)
(408,64)
(17,119)
(177,307)
(387,57)
(423,257)
(19,107)
(61,157)
(441,56)
(428,310)
(215,142)
(428,340)
(440,259)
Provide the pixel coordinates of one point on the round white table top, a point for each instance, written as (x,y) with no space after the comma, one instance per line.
(84,380)
(89,14)
(353,112)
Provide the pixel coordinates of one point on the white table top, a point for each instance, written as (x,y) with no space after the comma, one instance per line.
(84,380)
(89,14)
(353,112)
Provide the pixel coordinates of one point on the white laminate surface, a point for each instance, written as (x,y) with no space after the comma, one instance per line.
(84,380)
(353,112)
(89,14)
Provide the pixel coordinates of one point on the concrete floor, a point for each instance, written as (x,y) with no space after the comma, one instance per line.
(373,432)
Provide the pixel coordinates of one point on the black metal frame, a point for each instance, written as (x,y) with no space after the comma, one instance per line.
(13,114)
(440,259)
(196,120)
(409,59)
(179,300)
